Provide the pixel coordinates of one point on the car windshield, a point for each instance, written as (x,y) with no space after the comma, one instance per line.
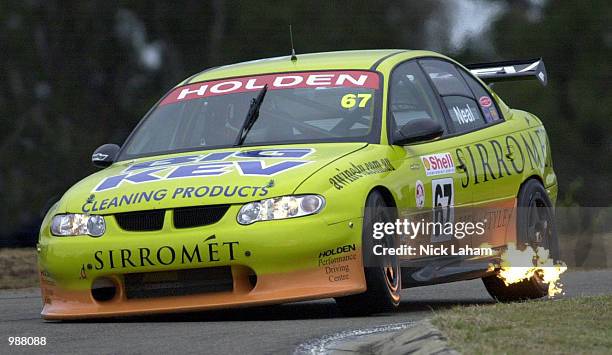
(326,106)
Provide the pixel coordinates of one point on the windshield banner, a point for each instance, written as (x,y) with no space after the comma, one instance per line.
(319,79)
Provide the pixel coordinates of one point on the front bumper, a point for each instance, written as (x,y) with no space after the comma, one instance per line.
(270,262)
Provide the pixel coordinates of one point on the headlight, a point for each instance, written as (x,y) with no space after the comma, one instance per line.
(78,224)
(280,208)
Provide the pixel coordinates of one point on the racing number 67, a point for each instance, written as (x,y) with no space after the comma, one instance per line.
(443,200)
(350,100)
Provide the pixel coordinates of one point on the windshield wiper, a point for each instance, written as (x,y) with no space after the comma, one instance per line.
(251,116)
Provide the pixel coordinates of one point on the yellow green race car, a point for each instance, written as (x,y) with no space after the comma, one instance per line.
(261,183)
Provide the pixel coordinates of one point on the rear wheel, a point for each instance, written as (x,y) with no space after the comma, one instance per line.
(535,228)
(382,273)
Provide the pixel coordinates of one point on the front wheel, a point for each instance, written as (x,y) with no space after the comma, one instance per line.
(535,228)
(382,273)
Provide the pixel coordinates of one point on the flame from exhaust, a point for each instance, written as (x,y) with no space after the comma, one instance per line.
(545,267)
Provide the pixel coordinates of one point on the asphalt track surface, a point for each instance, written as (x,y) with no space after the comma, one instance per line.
(265,330)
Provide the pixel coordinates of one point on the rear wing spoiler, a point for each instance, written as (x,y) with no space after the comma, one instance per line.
(511,70)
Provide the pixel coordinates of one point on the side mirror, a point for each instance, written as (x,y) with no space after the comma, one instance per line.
(105,155)
(418,130)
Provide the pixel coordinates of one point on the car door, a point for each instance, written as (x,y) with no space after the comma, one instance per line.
(433,176)
(475,121)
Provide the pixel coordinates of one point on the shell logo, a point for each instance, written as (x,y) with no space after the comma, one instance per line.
(426,164)
(438,164)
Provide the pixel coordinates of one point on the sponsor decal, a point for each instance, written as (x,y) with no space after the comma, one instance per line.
(338,273)
(92,205)
(337,255)
(503,156)
(489,111)
(202,191)
(349,78)
(334,262)
(464,115)
(438,164)
(209,251)
(218,190)
(485,101)
(419,194)
(357,171)
(494,115)
(487,115)
(287,153)
(249,163)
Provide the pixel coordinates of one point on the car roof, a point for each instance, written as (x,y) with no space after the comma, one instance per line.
(358,59)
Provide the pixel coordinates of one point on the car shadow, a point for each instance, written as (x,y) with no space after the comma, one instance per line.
(321,309)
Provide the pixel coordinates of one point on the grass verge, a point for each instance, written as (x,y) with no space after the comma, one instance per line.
(568,326)
(18,268)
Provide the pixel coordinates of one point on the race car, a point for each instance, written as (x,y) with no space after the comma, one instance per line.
(263,183)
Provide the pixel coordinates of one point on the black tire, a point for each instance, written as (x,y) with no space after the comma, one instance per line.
(535,227)
(382,274)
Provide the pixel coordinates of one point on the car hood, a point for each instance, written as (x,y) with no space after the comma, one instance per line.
(222,176)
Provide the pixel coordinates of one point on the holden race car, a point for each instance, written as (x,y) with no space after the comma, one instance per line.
(262,183)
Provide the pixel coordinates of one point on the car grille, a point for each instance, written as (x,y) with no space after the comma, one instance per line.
(178,283)
(185,217)
(141,221)
(189,217)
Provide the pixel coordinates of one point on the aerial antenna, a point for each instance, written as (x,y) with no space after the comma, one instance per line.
(293,56)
